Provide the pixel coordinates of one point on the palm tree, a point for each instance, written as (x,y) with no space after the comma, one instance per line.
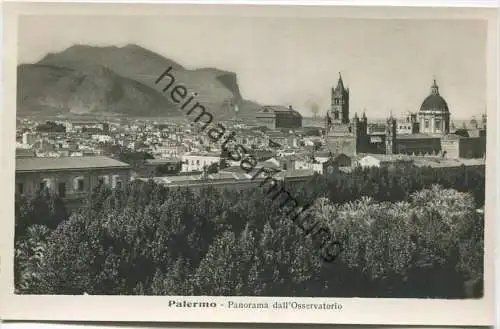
(29,257)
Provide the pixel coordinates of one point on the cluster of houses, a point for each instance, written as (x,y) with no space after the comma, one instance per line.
(73,177)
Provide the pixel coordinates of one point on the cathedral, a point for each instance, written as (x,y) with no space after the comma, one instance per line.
(426,133)
(434,115)
(341,134)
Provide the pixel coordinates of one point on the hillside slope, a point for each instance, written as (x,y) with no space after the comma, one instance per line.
(71,81)
(95,89)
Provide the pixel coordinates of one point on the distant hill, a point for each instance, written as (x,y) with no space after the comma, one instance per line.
(120,80)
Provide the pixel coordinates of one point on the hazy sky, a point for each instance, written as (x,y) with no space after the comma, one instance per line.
(388,64)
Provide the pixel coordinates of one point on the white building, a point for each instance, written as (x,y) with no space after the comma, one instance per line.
(195,161)
(379,160)
(370,161)
(102,138)
(302,164)
(29,138)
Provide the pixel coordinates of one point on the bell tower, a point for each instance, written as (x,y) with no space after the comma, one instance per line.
(390,135)
(340,103)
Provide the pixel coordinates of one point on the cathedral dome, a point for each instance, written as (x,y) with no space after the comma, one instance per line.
(434,102)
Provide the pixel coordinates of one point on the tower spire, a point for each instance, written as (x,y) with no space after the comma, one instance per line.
(434,87)
(340,83)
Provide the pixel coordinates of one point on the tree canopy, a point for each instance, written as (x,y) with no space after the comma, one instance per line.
(51,127)
(416,235)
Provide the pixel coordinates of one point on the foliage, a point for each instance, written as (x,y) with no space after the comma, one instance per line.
(168,169)
(212,168)
(223,163)
(29,257)
(392,184)
(51,127)
(136,159)
(462,132)
(402,236)
(125,154)
(44,209)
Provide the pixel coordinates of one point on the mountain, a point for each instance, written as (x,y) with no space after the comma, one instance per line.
(57,90)
(121,80)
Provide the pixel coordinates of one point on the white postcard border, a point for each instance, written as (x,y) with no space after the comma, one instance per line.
(149,308)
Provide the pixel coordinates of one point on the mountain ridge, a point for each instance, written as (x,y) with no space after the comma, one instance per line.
(84,79)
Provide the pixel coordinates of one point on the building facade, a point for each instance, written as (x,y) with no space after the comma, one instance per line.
(409,125)
(198,161)
(70,177)
(278,117)
(456,146)
(81,126)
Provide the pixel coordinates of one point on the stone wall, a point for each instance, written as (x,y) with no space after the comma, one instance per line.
(341,144)
(418,146)
(472,147)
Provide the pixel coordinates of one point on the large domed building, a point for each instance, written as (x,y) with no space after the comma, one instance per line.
(434,114)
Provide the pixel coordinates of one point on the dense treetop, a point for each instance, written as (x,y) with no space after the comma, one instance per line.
(403,236)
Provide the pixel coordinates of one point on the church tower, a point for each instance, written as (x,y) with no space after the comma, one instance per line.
(340,103)
(390,136)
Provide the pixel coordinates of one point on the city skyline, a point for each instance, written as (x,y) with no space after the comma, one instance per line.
(372,56)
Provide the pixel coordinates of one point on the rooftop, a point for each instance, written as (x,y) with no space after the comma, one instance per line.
(445,162)
(386,157)
(295,173)
(279,109)
(158,161)
(203,154)
(418,136)
(24,152)
(62,163)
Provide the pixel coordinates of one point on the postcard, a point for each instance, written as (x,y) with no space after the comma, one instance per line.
(248,163)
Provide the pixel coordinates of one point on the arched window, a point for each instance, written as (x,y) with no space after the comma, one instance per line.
(103,180)
(116,183)
(45,183)
(78,184)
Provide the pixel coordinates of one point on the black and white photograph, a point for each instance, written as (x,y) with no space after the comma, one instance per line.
(298,161)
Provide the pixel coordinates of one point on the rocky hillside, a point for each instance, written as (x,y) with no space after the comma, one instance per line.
(120,80)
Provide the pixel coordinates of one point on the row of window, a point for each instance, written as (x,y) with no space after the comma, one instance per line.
(427,123)
(198,162)
(78,185)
